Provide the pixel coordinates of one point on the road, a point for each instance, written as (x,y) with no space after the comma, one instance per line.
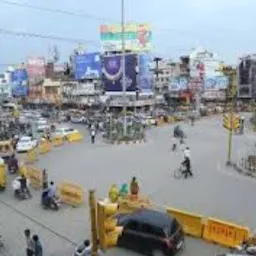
(215,191)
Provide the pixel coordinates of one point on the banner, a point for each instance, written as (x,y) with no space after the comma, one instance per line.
(36,67)
(210,95)
(216,83)
(178,83)
(87,66)
(138,37)
(112,73)
(19,79)
(146,78)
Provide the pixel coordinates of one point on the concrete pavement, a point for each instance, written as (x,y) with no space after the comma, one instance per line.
(214,191)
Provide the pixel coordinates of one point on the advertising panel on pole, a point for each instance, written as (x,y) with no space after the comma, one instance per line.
(179,83)
(19,79)
(138,37)
(87,66)
(36,67)
(216,83)
(113,73)
(146,78)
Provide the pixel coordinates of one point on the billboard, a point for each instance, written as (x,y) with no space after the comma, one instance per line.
(87,66)
(179,83)
(112,73)
(216,83)
(138,37)
(36,67)
(146,78)
(19,79)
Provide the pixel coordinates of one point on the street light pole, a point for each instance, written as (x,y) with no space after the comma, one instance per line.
(123,69)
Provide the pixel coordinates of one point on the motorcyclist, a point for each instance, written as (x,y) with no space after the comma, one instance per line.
(52,193)
(187,163)
(13,165)
(24,185)
(85,249)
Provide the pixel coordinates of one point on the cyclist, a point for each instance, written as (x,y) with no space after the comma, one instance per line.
(187,163)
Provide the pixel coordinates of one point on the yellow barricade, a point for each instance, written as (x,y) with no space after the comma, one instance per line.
(44,147)
(192,223)
(126,205)
(31,156)
(35,176)
(224,233)
(73,137)
(71,193)
(22,169)
(58,141)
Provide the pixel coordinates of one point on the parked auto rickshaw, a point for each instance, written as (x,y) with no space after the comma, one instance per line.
(3,177)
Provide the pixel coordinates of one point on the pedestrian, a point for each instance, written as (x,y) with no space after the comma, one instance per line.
(134,187)
(45,179)
(174,143)
(186,153)
(93,133)
(38,246)
(29,242)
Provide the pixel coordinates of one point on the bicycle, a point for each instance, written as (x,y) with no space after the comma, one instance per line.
(178,173)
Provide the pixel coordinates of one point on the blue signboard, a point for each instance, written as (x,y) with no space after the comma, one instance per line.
(145,74)
(19,78)
(87,66)
(113,73)
(216,83)
(179,83)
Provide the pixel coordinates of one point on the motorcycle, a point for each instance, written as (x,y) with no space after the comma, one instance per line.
(49,203)
(19,193)
(244,249)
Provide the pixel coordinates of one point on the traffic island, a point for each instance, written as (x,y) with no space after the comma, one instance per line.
(128,140)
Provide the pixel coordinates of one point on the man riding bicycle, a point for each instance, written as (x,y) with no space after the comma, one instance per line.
(187,163)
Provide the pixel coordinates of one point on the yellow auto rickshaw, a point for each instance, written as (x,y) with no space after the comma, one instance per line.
(3,177)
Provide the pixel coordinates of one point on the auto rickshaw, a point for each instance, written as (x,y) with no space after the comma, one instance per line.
(3,177)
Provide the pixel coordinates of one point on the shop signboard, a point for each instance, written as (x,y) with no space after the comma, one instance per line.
(146,78)
(113,73)
(179,83)
(138,37)
(19,80)
(87,66)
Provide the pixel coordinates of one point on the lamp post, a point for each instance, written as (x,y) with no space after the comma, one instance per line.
(157,73)
(123,69)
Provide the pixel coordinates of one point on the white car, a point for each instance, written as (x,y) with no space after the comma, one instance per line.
(42,125)
(25,144)
(64,131)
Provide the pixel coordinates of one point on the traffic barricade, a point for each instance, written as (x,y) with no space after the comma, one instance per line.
(31,156)
(22,169)
(34,175)
(44,147)
(74,137)
(192,223)
(71,193)
(128,205)
(224,233)
(57,141)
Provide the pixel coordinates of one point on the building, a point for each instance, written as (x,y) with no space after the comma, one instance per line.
(52,91)
(5,86)
(82,94)
(247,77)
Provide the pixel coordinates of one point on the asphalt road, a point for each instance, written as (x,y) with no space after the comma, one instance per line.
(215,191)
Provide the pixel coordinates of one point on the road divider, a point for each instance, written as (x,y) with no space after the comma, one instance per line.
(192,223)
(71,194)
(31,156)
(58,141)
(44,147)
(224,233)
(34,175)
(74,137)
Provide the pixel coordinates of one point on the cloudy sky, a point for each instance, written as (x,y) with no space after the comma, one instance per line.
(222,26)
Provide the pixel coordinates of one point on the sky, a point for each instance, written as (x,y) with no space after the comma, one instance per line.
(222,26)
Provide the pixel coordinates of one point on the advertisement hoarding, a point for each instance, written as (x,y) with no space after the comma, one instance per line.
(87,66)
(19,79)
(36,67)
(112,73)
(146,78)
(138,37)
(179,83)
(216,83)
(211,95)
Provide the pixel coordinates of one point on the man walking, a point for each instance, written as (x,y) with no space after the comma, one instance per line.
(93,133)
(38,246)
(30,246)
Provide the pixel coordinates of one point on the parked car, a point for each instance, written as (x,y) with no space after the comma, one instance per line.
(25,144)
(78,119)
(151,233)
(64,131)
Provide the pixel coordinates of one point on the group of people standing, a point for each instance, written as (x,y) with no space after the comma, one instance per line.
(33,244)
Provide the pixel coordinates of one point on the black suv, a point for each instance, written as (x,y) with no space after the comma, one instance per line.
(151,233)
